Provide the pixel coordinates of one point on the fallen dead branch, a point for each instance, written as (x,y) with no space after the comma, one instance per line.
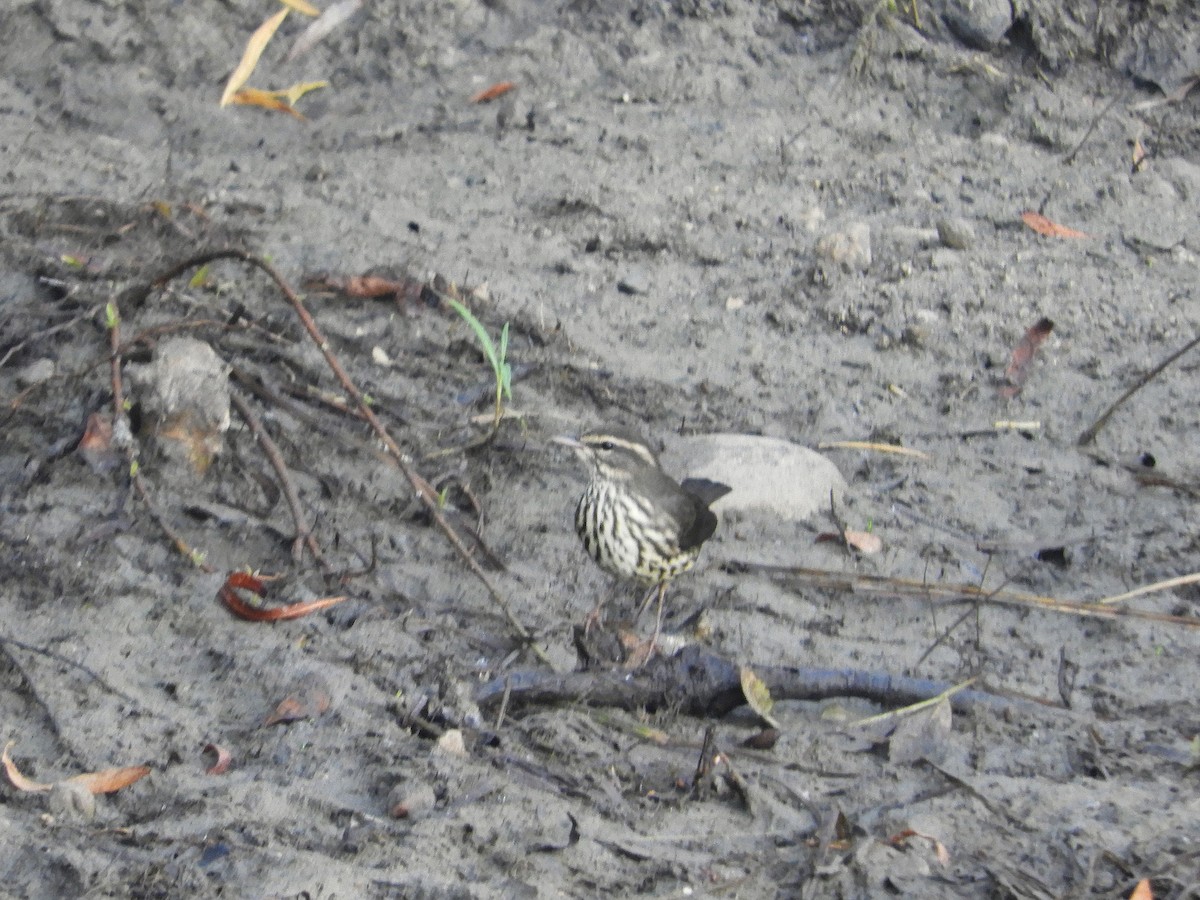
(698,682)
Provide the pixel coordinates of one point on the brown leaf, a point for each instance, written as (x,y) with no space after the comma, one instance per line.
(96,444)
(254,48)
(1044,226)
(1018,367)
(487,95)
(1142,891)
(241,581)
(309,698)
(224,759)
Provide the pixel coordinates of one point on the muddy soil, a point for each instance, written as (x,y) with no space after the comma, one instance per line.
(794,220)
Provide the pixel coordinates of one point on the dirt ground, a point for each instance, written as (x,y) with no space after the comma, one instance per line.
(799,220)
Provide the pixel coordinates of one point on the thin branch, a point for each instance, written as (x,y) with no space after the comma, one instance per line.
(1090,433)
(304,533)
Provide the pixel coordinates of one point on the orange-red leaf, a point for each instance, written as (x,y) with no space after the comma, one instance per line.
(243,610)
(110,780)
(1044,226)
(266,99)
(104,782)
(488,94)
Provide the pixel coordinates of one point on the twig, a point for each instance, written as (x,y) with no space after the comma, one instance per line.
(872,445)
(907,587)
(67,661)
(1181,581)
(304,534)
(1090,433)
(422,487)
(1070,157)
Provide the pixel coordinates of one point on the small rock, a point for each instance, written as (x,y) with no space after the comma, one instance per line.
(634,283)
(850,249)
(956,233)
(765,473)
(184,394)
(981,24)
(36,372)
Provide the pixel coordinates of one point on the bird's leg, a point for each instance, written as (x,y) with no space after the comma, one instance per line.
(654,589)
(662,592)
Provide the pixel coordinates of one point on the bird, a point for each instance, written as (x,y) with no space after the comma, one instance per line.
(636,521)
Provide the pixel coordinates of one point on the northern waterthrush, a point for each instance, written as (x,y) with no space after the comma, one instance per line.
(636,521)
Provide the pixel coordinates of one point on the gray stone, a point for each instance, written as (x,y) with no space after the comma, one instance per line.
(765,473)
(978,23)
(956,233)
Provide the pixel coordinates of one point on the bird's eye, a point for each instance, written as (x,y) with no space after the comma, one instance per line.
(607,445)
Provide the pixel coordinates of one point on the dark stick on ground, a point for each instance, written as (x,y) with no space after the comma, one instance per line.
(304,534)
(1089,434)
(700,683)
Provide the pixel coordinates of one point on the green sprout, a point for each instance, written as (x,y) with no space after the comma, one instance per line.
(496,356)
(111,317)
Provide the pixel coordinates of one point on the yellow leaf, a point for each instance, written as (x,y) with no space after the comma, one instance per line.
(200,279)
(254,48)
(758,695)
(302,7)
(296,91)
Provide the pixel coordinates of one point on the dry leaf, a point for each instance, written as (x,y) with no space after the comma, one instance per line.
(1139,156)
(241,581)
(110,780)
(254,48)
(1044,226)
(865,542)
(1142,891)
(758,695)
(266,99)
(302,6)
(487,95)
(224,759)
(1018,367)
(939,849)
(104,782)
(309,698)
(19,781)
